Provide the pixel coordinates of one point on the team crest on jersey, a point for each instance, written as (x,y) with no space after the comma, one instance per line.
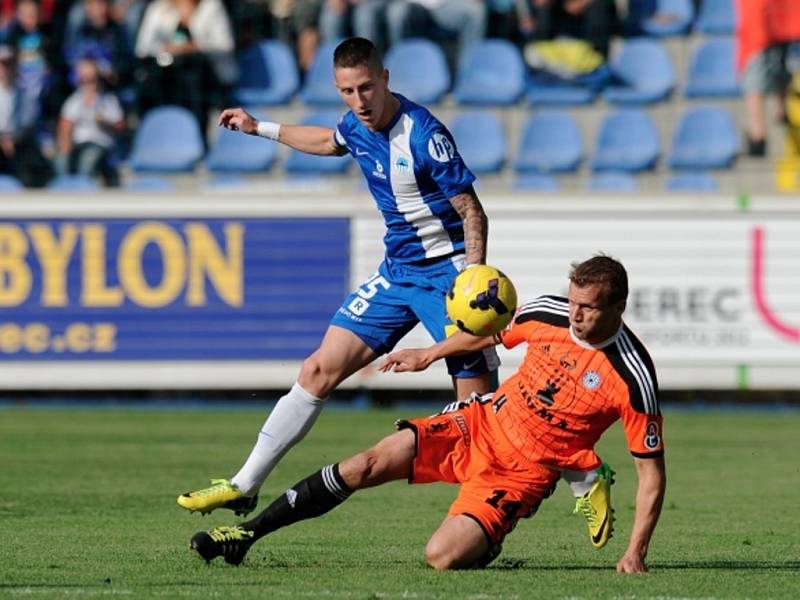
(652,438)
(401,164)
(441,148)
(591,380)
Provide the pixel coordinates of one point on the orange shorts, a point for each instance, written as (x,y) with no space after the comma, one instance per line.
(496,488)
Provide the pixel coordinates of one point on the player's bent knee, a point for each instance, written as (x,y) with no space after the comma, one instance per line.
(442,558)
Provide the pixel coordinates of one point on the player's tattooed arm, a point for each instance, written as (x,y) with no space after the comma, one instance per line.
(476,225)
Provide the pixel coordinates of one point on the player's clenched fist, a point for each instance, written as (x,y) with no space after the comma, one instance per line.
(238,119)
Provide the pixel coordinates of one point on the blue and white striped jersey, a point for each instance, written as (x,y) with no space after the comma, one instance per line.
(412,167)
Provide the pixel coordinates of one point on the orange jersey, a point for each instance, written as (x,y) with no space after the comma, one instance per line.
(566,393)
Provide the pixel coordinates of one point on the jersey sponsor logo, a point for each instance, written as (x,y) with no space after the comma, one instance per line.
(378,172)
(591,380)
(652,437)
(441,148)
(461,423)
(401,165)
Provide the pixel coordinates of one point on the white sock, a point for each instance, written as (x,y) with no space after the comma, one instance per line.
(287,424)
(580,482)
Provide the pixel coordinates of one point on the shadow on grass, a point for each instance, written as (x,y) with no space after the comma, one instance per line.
(718,565)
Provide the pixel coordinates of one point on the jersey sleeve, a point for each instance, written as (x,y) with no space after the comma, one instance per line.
(515,333)
(436,151)
(644,432)
(341,133)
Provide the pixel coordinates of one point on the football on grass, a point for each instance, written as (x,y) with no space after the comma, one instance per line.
(482,300)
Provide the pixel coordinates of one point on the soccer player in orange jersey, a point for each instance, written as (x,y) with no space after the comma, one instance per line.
(583,370)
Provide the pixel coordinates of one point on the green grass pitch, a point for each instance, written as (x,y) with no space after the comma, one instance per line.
(87,508)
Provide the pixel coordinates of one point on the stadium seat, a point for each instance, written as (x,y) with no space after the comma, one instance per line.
(627,141)
(660,17)
(268,74)
(9,183)
(705,138)
(481,140)
(318,88)
(491,72)
(73,183)
(716,17)
(642,73)
(692,182)
(545,91)
(234,152)
(300,163)
(612,182)
(168,140)
(150,184)
(551,143)
(712,71)
(418,70)
(535,182)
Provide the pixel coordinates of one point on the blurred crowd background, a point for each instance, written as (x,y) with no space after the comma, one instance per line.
(79,77)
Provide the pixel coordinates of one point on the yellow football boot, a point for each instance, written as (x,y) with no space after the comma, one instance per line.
(221,494)
(595,505)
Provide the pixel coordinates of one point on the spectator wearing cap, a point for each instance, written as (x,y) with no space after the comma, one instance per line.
(91,121)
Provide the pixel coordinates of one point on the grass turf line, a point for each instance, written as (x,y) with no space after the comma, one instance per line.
(87,508)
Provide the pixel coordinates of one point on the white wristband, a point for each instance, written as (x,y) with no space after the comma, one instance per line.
(268,129)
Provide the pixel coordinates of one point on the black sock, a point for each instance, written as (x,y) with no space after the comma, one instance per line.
(313,496)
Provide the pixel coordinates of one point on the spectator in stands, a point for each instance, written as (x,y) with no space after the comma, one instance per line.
(186,49)
(763,32)
(19,150)
(594,21)
(39,63)
(101,38)
(464,19)
(303,17)
(362,18)
(91,120)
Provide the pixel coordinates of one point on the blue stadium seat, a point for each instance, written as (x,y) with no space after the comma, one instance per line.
(491,72)
(705,138)
(418,70)
(234,152)
(544,91)
(692,182)
(627,141)
(660,17)
(642,73)
(716,17)
(612,182)
(480,140)
(150,184)
(318,88)
(712,71)
(9,183)
(535,182)
(551,143)
(168,140)
(308,164)
(73,183)
(268,74)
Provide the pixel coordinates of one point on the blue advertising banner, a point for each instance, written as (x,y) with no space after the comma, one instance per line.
(133,289)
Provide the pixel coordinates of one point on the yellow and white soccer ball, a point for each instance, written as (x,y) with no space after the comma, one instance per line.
(482,300)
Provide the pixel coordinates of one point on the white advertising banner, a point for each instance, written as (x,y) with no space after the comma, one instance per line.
(714,296)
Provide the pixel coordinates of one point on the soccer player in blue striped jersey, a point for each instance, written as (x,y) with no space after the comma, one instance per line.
(435,227)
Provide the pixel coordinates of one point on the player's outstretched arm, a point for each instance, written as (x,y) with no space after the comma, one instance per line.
(306,138)
(649,499)
(419,359)
(476,225)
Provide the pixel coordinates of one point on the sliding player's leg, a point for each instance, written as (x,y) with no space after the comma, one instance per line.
(317,494)
(340,354)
